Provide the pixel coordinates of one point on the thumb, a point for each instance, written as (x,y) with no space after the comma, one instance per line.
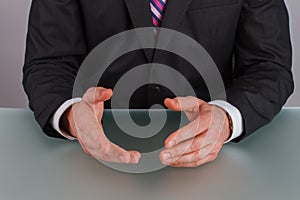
(188,103)
(97,94)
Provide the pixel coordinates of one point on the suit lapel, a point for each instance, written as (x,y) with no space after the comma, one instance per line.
(140,14)
(174,12)
(139,11)
(173,15)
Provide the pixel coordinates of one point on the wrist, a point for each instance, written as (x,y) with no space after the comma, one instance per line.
(67,122)
(229,126)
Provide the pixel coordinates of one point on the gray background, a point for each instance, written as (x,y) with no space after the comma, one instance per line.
(13,23)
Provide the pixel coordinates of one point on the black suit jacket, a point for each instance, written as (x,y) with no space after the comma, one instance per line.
(249,41)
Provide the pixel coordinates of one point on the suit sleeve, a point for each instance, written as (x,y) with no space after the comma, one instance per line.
(263,77)
(55,48)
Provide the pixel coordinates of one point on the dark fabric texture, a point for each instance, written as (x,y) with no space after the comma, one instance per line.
(249,40)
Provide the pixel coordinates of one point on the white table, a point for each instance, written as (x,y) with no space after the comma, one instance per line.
(33,167)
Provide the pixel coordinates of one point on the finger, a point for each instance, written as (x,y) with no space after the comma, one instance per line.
(211,144)
(189,131)
(117,154)
(120,155)
(193,156)
(111,153)
(97,94)
(213,149)
(189,146)
(99,147)
(207,159)
(135,156)
(190,108)
(183,103)
(195,127)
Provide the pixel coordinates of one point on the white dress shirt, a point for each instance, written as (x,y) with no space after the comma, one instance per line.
(233,112)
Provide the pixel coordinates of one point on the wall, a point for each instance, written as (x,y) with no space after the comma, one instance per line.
(13,22)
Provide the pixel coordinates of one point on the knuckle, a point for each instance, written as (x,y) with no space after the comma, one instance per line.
(199,163)
(206,109)
(179,99)
(89,96)
(177,136)
(101,88)
(194,109)
(197,156)
(91,90)
(175,153)
(194,129)
(104,157)
(195,145)
(208,112)
(192,99)
(105,149)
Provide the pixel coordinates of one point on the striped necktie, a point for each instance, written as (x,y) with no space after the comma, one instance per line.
(157,10)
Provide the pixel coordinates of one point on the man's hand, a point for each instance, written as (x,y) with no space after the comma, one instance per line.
(201,140)
(83,121)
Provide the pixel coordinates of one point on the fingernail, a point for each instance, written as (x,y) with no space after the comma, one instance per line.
(109,90)
(137,160)
(171,144)
(169,161)
(139,156)
(166,156)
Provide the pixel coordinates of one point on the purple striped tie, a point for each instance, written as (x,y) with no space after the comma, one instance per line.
(157,10)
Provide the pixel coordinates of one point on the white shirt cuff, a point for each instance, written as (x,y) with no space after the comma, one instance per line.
(235,115)
(58,114)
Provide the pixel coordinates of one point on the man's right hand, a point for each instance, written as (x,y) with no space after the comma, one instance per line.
(83,121)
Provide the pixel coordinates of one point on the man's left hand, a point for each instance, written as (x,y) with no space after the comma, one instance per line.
(202,139)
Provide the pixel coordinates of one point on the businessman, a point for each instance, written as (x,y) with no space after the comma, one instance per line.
(249,40)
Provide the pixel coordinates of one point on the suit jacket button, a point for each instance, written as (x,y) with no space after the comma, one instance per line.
(157,89)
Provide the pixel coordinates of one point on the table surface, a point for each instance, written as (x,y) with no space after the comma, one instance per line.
(32,166)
